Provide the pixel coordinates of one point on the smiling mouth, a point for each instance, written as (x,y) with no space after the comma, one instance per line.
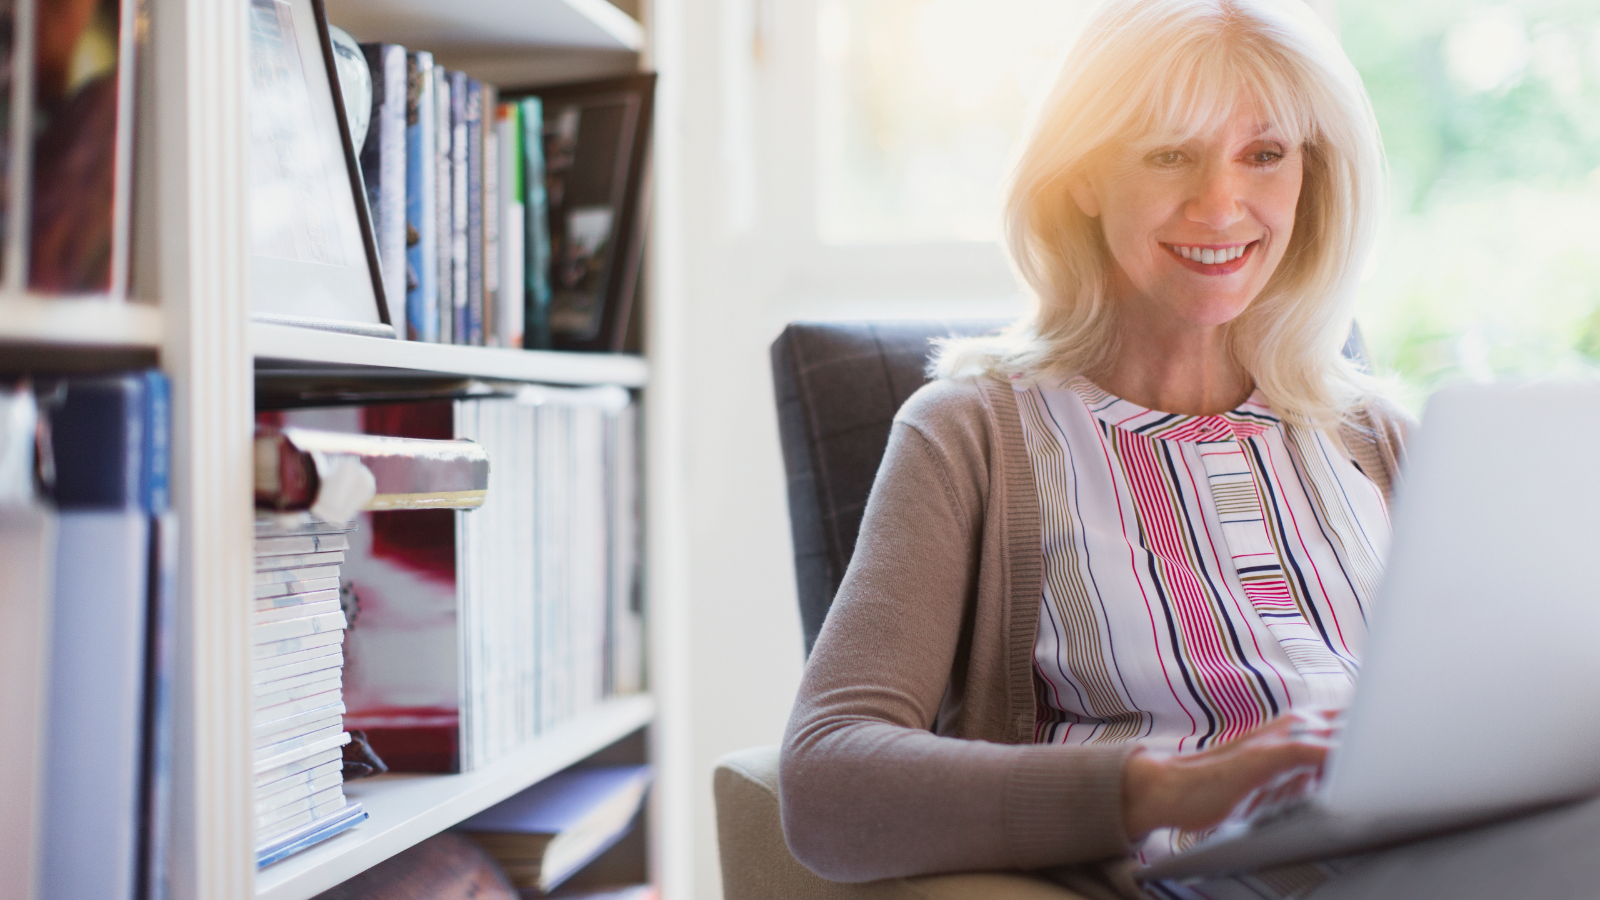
(1212,260)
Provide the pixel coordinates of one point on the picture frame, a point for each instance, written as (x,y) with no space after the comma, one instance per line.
(596,159)
(313,252)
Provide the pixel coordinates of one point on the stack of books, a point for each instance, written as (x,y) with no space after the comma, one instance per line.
(297,642)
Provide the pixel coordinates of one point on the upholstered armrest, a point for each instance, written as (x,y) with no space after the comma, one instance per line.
(757,864)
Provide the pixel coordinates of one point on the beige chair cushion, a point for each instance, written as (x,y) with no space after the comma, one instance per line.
(757,864)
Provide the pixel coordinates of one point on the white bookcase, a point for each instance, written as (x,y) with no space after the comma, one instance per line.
(191,317)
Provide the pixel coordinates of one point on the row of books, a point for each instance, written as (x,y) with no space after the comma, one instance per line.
(88,561)
(66,146)
(475,631)
(504,219)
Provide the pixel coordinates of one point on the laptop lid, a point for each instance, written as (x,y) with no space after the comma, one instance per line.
(1480,691)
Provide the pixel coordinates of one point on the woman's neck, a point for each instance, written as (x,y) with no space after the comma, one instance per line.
(1191,374)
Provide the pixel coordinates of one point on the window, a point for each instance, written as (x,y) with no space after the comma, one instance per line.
(919,104)
(1488,266)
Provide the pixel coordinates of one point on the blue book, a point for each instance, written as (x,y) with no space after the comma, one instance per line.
(536,232)
(547,833)
(422,199)
(106,822)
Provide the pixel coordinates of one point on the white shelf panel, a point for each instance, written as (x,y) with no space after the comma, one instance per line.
(501,24)
(324,349)
(408,809)
(68,321)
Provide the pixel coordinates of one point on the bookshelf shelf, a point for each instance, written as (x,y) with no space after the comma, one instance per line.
(490,24)
(289,347)
(407,809)
(79,323)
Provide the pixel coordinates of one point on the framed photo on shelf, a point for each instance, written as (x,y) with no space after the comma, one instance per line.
(313,257)
(596,138)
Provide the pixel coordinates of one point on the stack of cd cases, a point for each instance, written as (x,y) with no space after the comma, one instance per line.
(297,647)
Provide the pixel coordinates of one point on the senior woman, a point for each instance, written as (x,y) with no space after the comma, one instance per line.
(1111,550)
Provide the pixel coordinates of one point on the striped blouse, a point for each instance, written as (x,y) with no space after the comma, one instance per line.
(1203,574)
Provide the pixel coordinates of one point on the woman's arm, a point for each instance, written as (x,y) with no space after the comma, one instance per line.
(868,791)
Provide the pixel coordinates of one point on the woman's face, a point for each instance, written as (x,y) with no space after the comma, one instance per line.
(1195,228)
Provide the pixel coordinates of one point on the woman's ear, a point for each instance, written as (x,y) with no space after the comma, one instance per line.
(1083,194)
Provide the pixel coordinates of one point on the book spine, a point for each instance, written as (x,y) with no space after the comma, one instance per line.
(536,212)
(458,205)
(17,174)
(383,167)
(422,198)
(444,193)
(155,479)
(491,218)
(474,127)
(509,305)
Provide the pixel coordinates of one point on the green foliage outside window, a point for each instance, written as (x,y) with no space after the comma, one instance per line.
(1489,264)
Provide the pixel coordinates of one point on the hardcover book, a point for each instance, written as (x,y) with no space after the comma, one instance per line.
(474,132)
(383,170)
(422,199)
(82,157)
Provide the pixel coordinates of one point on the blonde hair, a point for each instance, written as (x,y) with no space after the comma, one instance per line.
(1174,69)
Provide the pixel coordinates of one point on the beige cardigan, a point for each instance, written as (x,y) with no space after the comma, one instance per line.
(909,750)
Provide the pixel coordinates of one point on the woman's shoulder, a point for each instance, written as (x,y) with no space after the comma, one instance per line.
(950,407)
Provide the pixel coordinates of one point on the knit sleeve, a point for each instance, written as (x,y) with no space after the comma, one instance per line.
(868,791)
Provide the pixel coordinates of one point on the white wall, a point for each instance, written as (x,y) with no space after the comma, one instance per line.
(734,260)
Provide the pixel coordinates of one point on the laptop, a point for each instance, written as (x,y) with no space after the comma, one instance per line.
(1479,697)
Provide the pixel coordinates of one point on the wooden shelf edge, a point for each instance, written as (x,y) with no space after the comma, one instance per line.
(408,809)
(79,322)
(324,349)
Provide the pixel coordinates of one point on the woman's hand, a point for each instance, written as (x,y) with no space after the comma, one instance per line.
(1198,790)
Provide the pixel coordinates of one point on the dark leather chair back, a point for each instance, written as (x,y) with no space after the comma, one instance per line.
(839,385)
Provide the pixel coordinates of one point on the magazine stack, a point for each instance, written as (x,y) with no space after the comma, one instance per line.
(297,644)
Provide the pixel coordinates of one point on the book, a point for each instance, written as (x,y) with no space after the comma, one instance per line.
(545,834)
(27,571)
(298,560)
(300,543)
(82,154)
(17,22)
(460,332)
(292,465)
(510,304)
(268,670)
(422,199)
(110,668)
(293,588)
(490,203)
(383,170)
(473,119)
(536,217)
(328,603)
(444,191)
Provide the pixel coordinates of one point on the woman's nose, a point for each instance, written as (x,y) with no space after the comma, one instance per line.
(1215,202)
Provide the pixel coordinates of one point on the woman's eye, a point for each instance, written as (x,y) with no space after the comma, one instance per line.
(1166,158)
(1265,157)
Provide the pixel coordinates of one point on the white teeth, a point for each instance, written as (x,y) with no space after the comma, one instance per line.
(1209,257)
